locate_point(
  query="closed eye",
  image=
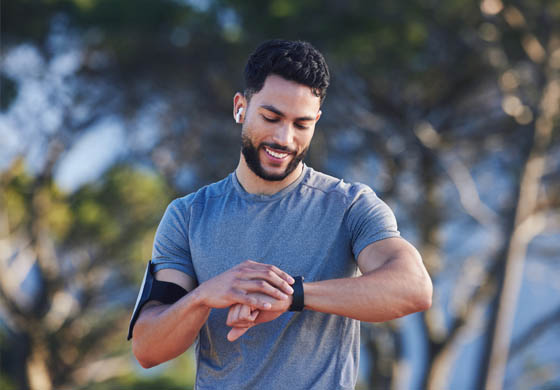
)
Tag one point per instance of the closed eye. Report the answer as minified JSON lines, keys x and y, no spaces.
{"x":271,"y":120}
{"x":275,"y":120}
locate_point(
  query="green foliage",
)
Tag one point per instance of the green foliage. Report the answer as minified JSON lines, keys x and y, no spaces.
{"x":124,"y":208}
{"x":21,"y":194}
{"x":177,"y":374}
{"x":6,"y":383}
{"x":103,"y":233}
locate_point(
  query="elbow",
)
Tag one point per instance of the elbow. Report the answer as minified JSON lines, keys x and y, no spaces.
{"x":423,"y":295}
{"x":423,"y":287}
{"x":424,"y":303}
{"x":149,"y":351}
{"x":146,"y":364}
{"x":141,"y":350}
{"x":141,"y":356}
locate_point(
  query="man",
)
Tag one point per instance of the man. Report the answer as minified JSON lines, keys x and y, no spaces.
{"x":238,"y":246}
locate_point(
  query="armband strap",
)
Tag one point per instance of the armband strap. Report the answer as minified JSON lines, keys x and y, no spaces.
{"x":298,"y":301}
{"x":154,"y":290}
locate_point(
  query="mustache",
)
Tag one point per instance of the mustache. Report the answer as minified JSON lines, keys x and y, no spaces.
{"x":278,"y":147}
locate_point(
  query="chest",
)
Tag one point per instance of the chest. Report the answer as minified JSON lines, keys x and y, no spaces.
{"x":301,"y":239}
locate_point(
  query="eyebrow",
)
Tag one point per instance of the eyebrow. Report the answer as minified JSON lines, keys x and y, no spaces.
{"x":280,"y":113}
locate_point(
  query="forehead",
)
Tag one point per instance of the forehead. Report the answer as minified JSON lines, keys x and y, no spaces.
{"x":287,"y":96}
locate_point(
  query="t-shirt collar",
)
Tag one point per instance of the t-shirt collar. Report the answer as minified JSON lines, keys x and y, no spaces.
{"x":266,"y":198}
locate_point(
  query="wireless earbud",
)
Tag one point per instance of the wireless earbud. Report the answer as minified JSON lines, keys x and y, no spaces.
{"x":238,"y":115}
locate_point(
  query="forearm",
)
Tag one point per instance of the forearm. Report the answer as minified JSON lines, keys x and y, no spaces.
{"x":398,"y":288}
{"x":163,"y":332}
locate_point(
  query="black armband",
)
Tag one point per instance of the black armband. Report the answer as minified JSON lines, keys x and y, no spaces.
{"x":298,"y":301}
{"x":154,"y":290}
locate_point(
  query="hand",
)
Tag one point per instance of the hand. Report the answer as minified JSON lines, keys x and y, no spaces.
{"x":260,"y":286}
{"x":240,"y":318}
{"x":243,"y":317}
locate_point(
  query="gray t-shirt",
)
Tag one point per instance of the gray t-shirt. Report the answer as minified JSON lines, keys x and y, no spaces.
{"x":315,"y":227}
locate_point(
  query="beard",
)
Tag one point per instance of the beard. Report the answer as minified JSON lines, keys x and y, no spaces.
{"x":251,"y":154}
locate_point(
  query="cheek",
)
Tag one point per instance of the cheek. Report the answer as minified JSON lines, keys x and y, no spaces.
{"x":255,"y":130}
{"x":305,"y":139}
{"x":248,"y":132}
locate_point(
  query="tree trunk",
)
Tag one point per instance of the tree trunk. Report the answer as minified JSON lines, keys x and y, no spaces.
{"x":528,"y":223}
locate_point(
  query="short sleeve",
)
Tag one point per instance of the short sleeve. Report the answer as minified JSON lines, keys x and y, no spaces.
{"x":171,"y":243}
{"x":369,"y":219}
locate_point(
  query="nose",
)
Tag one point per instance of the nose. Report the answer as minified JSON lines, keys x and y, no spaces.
{"x":284,"y":135}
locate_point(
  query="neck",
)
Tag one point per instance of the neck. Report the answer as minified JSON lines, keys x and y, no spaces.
{"x":254,"y":184}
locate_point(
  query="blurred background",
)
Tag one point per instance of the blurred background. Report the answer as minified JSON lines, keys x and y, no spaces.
{"x":449,"y":110}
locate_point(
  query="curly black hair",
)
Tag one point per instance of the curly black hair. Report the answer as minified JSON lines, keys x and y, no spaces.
{"x":293,"y":60}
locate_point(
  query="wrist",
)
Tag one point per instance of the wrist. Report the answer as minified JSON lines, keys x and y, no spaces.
{"x":199,"y":298}
{"x":290,"y":302}
{"x":297,"y":298}
{"x":309,"y":291}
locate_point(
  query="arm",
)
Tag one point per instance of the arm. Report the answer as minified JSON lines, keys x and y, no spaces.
{"x":394,"y":283}
{"x":163,"y":332}
{"x":181,"y":320}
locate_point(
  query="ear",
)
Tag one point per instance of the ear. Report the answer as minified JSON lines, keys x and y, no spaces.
{"x":318,"y":116}
{"x":239,"y":101}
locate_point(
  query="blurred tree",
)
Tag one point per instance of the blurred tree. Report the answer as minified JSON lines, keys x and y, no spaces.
{"x":66,"y":263}
{"x":448,"y":109}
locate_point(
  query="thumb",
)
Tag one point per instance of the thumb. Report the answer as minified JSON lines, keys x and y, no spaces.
{"x":236,"y":333}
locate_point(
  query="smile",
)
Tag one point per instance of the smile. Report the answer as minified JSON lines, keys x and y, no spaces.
{"x":275,"y":154}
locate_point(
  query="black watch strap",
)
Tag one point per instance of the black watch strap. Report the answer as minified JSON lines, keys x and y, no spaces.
{"x":298,"y":302}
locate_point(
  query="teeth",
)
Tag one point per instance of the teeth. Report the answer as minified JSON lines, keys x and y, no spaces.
{"x":276,"y":155}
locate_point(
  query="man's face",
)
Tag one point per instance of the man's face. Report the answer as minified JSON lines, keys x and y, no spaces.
{"x":278,"y":127}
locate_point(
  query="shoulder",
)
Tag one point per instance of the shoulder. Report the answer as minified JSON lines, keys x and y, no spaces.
{"x":216,"y":190}
{"x":333,"y":186}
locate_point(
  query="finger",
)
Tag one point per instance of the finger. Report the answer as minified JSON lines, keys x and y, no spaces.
{"x":240,"y":316}
{"x":241,"y":324}
{"x":262,"y":286}
{"x":230,"y":316}
{"x":275,"y":280}
{"x":245,"y":313}
{"x":233,"y":314}
{"x":275,"y":276}
{"x":236,"y":333}
{"x":252,"y":301}
{"x":269,"y":272}
{"x":285,"y":276}
{"x":254,"y":315}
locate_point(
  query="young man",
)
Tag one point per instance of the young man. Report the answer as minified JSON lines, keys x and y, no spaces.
{"x":238,"y":247}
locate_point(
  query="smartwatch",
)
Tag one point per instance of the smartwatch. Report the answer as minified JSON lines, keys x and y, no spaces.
{"x":297,"y":303}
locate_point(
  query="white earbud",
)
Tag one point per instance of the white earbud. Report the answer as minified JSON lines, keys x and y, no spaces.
{"x":238,"y":115}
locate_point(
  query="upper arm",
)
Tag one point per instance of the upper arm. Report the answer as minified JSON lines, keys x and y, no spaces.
{"x":175,"y":276}
{"x":399,"y":265}
{"x":171,"y":247}
{"x":146,"y":310}
{"x":376,"y":254}
{"x":369,"y":220}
